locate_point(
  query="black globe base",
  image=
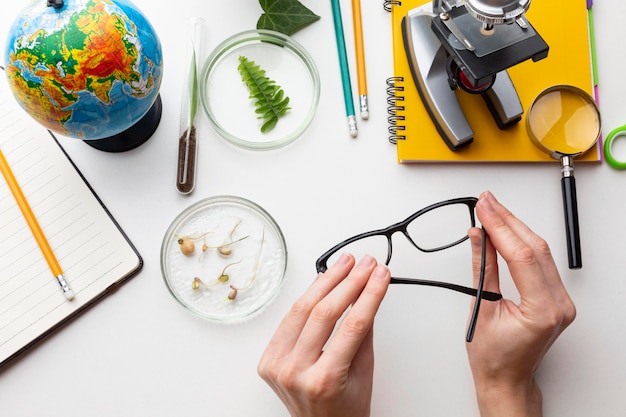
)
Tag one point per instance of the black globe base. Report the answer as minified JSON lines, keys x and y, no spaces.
{"x":135,"y":135}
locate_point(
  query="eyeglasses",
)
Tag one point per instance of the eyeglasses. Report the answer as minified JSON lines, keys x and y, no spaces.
{"x":434,"y":228}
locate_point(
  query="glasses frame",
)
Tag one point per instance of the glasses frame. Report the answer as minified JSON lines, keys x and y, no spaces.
{"x":388,"y":232}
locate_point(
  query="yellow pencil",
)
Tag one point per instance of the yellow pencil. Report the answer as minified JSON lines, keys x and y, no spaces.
{"x":360,"y":58}
{"x":27,"y":212}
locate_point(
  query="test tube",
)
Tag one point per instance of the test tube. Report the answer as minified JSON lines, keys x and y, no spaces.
{"x":188,"y":133}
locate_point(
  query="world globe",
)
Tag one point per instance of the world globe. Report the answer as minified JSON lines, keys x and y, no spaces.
{"x":88,"y":69}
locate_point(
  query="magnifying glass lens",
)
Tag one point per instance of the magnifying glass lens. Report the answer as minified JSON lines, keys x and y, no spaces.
{"x":564,"y":120}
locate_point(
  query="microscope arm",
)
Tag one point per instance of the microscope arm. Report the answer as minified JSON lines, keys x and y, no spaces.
{"x":427,"y":59}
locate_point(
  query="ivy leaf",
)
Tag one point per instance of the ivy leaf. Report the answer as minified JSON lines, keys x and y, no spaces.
{"x":285,"y":16}
{"x":269,"y":98}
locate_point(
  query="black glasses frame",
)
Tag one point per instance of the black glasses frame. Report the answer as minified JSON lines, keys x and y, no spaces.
{"x":388,"y":232}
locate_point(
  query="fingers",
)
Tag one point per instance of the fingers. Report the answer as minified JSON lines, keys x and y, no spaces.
{"x":302,"y":334}
{"x":541,"y":251}
{"x":528,"y":256}
{"x":328,"y":311}
{"x":353,"y":339}
{"x":291,"y":326}
{"x":336,"y":380}
{"x":503,"y":229}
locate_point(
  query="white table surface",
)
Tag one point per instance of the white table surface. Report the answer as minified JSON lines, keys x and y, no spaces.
{"x":139,"y":353}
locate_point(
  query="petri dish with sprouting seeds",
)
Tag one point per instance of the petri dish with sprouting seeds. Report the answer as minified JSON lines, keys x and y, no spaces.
{"x":224,"y":258}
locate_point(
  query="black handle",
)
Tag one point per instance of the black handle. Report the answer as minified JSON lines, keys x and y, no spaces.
{"x":570,"y":208}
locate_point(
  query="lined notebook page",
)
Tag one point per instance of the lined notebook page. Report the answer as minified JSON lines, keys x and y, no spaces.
{"x":92,"y":251}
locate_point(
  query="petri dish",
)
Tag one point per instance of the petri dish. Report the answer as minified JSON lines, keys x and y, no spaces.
{"x":236,"y":245}
{"x":225,"y":97}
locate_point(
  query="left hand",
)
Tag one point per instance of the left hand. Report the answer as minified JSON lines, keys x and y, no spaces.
{"x":314,"y":374}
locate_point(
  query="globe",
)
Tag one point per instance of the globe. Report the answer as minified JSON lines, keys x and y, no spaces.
{"x":88,"y":69}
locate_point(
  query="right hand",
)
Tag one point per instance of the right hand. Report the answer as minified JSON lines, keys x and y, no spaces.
{"x":511,"y":339}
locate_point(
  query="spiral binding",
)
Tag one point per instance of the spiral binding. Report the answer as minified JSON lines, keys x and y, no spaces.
{"x":395,"y":105}
{"x":388,"y":3}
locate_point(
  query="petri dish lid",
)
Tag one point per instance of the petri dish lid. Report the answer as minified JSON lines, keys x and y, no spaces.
{"x":225,"y":97}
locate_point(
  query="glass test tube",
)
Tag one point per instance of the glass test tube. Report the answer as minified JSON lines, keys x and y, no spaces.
{"x":188,"y":134}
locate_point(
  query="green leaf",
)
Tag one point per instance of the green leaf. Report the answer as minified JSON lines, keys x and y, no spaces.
{"x":269,"y":125}
{"x":193,"y":89}
{"x":285,"y":16}
{"x":269,"y":98}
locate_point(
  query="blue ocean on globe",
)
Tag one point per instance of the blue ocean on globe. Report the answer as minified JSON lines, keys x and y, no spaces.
{"x":90,"y":69}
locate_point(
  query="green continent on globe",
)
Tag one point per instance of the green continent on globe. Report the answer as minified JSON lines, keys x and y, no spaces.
{"x":57,"y":70}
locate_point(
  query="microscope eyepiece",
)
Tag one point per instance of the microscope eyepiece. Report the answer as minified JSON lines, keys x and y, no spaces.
{"x":497,"y":12}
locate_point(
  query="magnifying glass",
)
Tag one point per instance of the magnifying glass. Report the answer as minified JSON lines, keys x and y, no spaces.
{"x":564,"y":122}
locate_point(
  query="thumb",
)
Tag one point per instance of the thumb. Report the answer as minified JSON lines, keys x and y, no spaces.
{"x":492,"y":282}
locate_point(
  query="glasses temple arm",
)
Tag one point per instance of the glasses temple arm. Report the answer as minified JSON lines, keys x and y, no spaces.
{"x":486,"y":295}
{"x":479,"y":290}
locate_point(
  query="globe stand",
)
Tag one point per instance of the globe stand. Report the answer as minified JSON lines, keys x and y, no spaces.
{"x":135,"y":135}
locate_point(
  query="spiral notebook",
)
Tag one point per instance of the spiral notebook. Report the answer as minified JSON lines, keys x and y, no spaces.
{"x":93,"y":251}
{"x":570,"y":61}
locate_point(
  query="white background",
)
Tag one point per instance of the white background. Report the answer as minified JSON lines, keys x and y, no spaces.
{"x":139,"y":353}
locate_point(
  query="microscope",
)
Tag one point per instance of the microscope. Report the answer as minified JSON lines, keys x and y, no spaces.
{"x":468,"y":45}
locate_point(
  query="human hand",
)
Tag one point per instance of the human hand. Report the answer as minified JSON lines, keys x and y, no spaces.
{"x":512,"y":339}
{"x":314,"y":374}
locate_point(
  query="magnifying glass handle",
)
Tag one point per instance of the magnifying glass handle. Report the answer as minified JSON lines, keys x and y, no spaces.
{"x":570,"y":208}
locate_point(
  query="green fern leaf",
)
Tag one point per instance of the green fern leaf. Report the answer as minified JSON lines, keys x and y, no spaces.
{"x":269,"y":98}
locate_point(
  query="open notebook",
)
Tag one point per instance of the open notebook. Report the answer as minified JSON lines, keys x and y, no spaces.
{"x":93,"y":251}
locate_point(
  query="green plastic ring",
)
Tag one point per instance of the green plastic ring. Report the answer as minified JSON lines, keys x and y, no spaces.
{"x":615,"y":133}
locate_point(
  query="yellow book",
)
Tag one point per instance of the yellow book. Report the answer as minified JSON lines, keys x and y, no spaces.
{"x":568,"y":33}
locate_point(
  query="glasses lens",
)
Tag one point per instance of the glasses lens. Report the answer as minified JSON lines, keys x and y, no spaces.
{"x":375,"y":246}
{"x":440,"y":227}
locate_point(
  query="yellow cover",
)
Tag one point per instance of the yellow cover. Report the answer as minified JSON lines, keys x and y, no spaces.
{"x":566,"y":30}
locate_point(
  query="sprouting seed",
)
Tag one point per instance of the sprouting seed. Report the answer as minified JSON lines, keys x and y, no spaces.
{"x":197,"y":283}
{"x":222,"y":249}
{"x":235,"y":290}
{"x":226,"y":249}
{"x":187,"y":245}
{"x":223,"y":278}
